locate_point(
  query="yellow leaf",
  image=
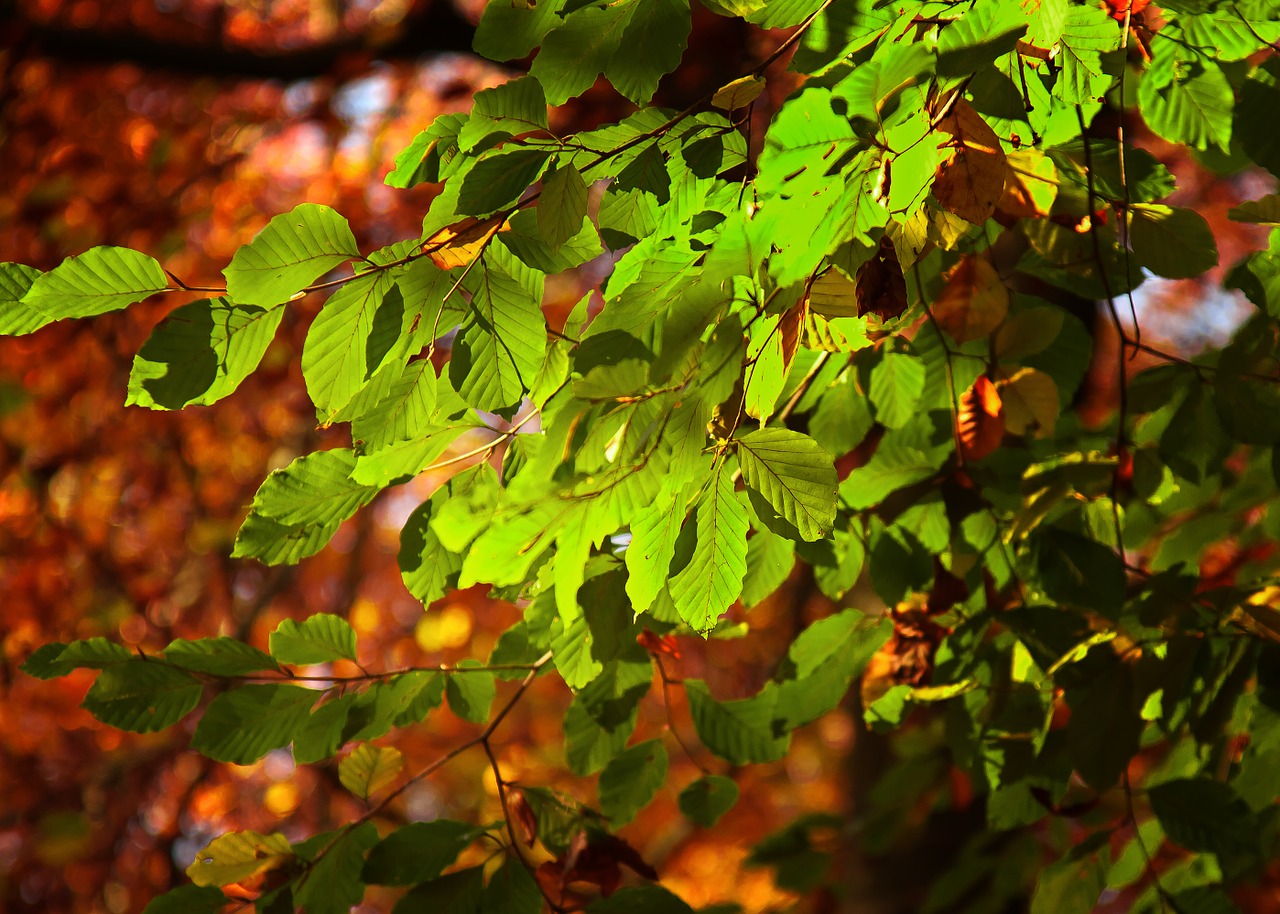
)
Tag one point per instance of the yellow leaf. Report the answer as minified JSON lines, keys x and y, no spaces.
{"x":1031,"y":404}
{"x":459,"y":244}
{"x":239,"y":856}
{"x":369,"y":769}
{"x":974,"y":302}
{"x":971,"y":181}
{"x":738,"y":94}
{"x":833,"y":295}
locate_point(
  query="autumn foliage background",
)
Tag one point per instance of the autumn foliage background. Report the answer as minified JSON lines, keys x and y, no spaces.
{"x":179,"y":127}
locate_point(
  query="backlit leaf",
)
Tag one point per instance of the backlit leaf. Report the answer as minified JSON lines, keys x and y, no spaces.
{"x":101,"y":279}
{"x":794,"y":475}
{"x":369,"y":769}
{"x":293,"y":250}
{"x":238,"y":856}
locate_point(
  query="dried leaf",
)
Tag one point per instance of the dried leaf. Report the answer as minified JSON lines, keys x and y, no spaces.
{"x":789,"y":329}
{"x":880,"y":288}
{"x":974,"y":302}
{"x":459,"y":244}
{"x":522,"y":814}
{"x":971,"y":180}
{"x":981,"y":421}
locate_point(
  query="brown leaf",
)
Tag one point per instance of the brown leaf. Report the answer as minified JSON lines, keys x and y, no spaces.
{"x":880,"y":288}
{"x":971,"y":180}
{"x":981,"y":420}
{"x":459,"y":244}
{"x":522,"y":815}
{"x":907,"y":657}
{"x":974,"y":301}
{"x":790,"y":327}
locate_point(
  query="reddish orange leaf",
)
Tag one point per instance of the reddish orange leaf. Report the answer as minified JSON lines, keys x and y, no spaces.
{"x":981,"y":420}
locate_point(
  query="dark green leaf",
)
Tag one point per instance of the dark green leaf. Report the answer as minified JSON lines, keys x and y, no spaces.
{"x":142,"y":696}
{"x":243,"y":725}
{"x":708,"y":798}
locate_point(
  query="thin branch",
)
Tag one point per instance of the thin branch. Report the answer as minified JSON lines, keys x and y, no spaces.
{"x":667,"y":682}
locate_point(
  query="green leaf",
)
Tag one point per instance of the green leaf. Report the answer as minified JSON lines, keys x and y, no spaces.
{"x":101,"y":279}
{"x":243,"y":725}
{"x":497,"y":356}
{"x":511,"y":890}
{"x":739,"y":732}
{"x":1258,"y":276}
{"x":1258,"y":99}
{"x":459,"y":892}
{"x":632,"y":42}
{"x":340,"y":354}
{"x":778,"y":14}
{"x":561,"y":206}
{"x":200,"y":353}
{"x":1206,"y":816}
{"x":631,"y":780}
{"x":1265,"y":211}
{"x":52,"y":660}
{"x":770,"y":559}
{"x":188,"y":899}
{"x":712,"y":580}
{"x":218,"y":656}
{"x":317,"y":639}
{"x":794,"y":475}
{"x":708,"y":798}
{"x":297,"y":509}
{"x":17,"y":318}
{"x":1184,"y":96}
{"x":1105,"y":728}
{"x":369,"y":769}
{"x":471,"y":694}
{"x":292,"y":251}
{"x":1171,"y":241}
{"x":642,"y":899}
{"x":333,"y":884}
{"x":897,"y":382}
{"x":142,"y":696}
{"x":1088,"y":33}
{"x":417,"y":852}
{"x":514,"y":108}
{"x":238,"y":856}
{"x":1080,"y":571}
{"x":1074,"y":884}
{"x":508,"y":31}
{"x":500,"y":178}
{"x":989,"y":30}
{"x":426,"y":566}
{"x":653,"y":543}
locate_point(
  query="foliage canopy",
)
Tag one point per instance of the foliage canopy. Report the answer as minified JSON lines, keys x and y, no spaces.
{"x":852,"y":350}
